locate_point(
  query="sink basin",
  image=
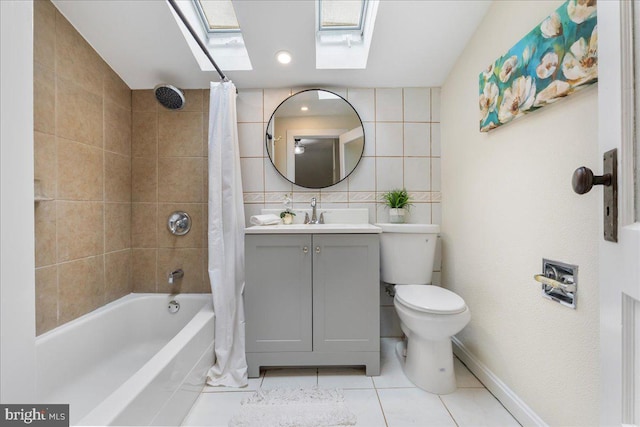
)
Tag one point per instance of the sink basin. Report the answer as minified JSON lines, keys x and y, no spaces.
{"x":314,"y":229}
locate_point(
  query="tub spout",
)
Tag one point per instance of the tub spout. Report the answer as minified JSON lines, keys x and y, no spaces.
{"x":176,"y":274}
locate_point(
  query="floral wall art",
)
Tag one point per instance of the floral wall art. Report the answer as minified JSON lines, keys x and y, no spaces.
{"x":555,"y":59}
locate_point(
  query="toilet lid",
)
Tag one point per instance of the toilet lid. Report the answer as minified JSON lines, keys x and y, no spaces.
{"x":430,"y":299}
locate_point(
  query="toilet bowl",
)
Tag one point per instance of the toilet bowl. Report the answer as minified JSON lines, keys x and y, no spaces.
{"x":429,"y":315}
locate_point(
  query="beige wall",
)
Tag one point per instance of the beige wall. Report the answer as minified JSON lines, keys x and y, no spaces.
{"x":82,"y":123}
{"x":507,"y":203}
{"x":169,"y":164}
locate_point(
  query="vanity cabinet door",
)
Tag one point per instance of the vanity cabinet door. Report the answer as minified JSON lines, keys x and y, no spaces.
{"x":346,"y":296}
{"x":277,"y":294}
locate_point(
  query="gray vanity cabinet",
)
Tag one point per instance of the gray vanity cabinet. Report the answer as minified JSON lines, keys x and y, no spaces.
{"x":277,"y":293}
{"x":312,"y":300}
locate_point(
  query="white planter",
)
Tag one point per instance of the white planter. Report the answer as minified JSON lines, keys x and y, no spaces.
{"x":396,"y":215}
{"x":287,"y":219}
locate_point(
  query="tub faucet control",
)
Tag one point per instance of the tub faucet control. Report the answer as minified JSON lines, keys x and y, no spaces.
{"x":176,"y":274}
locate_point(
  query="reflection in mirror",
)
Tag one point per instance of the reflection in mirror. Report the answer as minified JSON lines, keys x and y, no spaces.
{"x":315,"y":138}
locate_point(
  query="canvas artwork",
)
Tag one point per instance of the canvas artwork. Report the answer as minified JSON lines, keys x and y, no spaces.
{"x":555,"y":59}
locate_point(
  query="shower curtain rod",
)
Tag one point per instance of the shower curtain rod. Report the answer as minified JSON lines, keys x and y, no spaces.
{"x":197,"y":39}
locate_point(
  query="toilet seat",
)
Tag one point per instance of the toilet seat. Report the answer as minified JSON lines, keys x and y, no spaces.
{"x":430,"y":299}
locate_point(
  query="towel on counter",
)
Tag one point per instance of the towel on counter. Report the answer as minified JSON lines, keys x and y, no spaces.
{"x":269,"y":219}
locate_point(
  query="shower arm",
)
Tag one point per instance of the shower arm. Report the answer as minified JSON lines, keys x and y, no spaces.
{"x":197,"y":39}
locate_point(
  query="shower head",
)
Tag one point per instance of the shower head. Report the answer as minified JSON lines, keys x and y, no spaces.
{"x":169,"y":96}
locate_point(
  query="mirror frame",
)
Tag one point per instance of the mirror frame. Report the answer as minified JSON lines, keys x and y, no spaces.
{"x":267,"y":139}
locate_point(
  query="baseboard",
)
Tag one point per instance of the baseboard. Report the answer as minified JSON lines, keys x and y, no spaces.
{"x":520,"y":410}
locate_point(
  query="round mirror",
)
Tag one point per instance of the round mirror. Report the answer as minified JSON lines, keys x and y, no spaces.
{"x":315,"y":138}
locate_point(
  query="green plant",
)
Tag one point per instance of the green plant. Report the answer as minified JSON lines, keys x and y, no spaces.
{"x":397,"y":199}
{"x":285,"y":212}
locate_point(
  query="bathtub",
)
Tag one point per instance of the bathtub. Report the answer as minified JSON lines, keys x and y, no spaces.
{"x":130,"y":362}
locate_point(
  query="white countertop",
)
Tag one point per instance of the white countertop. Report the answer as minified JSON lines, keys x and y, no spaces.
{"x":314,"y":229}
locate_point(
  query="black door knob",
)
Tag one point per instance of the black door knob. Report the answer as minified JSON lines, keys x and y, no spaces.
{"x":584,"y":179}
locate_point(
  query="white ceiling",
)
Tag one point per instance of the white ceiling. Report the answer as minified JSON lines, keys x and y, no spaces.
{"x":415,"y":43}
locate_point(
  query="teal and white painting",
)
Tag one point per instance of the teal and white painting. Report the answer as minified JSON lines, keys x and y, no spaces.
{"x":555,"y":59}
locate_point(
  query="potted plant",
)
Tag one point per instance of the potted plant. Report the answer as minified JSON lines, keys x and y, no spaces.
{"x":398,"y":202}
{"x":287,"y":216}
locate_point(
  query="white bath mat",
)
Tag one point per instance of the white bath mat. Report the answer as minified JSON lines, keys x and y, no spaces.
{"x":301,"y":407}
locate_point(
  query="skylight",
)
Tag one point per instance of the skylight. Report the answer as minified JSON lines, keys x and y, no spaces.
{"x":218,"y":15}
{"x":217,"y":27}
{"x":343,"y":33}
{"x":341,"y":14}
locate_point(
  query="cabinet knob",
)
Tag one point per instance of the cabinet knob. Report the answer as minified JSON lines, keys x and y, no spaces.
{"x":317,"y":249}
{"x":305,"y":250}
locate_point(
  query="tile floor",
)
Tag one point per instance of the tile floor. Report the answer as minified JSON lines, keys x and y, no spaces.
{"x":388,"y":400}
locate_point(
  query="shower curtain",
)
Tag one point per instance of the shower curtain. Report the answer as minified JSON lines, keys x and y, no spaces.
{"x":226,"y":239}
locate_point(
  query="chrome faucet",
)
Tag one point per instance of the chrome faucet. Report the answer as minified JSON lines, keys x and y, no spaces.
{"x":177,"y":274}
{"x":314,"y":214}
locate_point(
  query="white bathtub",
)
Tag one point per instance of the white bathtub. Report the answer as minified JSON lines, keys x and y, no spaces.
{"x":130,"y":362}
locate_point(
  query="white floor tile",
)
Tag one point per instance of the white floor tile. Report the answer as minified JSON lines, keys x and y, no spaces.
{"x":391,"y":372}
{"x":395,"y":403}
{"x":464,"y":377}
{"x":344,"y":378}
{"x":215,"y":409}
{"x":406,"y":407}
{"x":253,"y":385}
{"x":477,"y":407}
{"x":366,"y":407}
{"x":290,"y":378}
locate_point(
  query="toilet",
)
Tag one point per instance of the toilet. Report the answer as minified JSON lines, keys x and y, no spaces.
{"x":429,"y":315}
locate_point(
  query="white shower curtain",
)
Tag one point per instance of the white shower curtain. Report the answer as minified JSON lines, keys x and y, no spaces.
{"x":226,"y":238}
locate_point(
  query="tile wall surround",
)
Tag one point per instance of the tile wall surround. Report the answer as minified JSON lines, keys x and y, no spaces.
{"x":82,"y":155}
{"x":169,"y":173}
{"x":402,"y":149}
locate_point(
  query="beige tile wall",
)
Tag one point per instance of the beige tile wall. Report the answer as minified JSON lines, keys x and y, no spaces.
{"x":82,"y":124}
{"x":168,"y":165}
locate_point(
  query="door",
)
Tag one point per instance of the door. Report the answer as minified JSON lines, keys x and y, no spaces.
{"x":346,"y":295}
{"x":277,"y":294}
{"x":620,"y":262}
{"x":351,"y":146}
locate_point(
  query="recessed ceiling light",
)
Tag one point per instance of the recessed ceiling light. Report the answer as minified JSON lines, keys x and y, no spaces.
{"x":283,"y":57}
{"x":304,"y":108}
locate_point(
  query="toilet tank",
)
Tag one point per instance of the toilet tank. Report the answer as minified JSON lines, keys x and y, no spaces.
{"x":407,"y":252}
